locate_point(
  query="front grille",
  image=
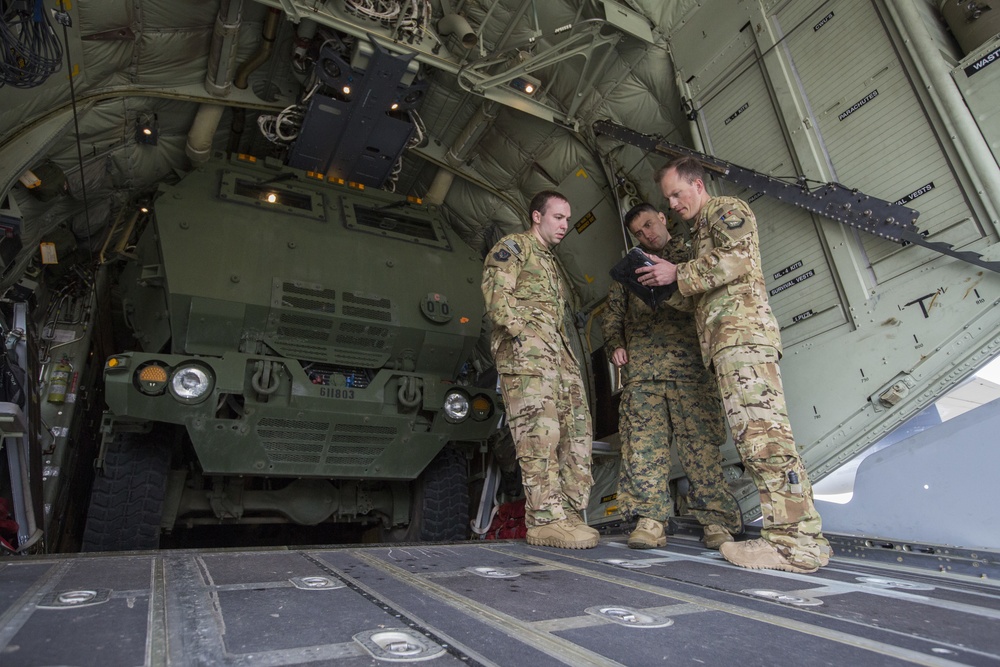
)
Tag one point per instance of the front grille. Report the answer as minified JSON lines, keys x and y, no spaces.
{"x":318,"y":292}
{"x":294,"y":424}
{"x":306,"y":297}
{"x":357,"y":341}
{"x":299,"y":436}
{"x":364,"y":329}
{"x":360,"y":433}
{"x":303,"y":324}
{"x":367,"y":314}
{"x":287,"y":452}
{"x":372,"y":359}
{"x":302,"y":350}
{"x":367,"y":307}
{"x":374,"y":302}
{"x":304,"y":321}
{"x":288,"y":441}
{"x":308,"y":334}
{"x":307,"y":304}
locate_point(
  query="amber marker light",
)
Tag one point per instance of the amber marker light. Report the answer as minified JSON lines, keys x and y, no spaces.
{"x":116,"y":364}
{"x":153,"y":374}
{"x":482,"y":407}
{"x":151,"y":379}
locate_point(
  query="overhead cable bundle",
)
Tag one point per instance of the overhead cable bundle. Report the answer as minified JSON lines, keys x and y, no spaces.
{"x":29,"y":50}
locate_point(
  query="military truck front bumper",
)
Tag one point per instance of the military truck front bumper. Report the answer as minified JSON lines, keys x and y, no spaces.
{"x":244,"y":421}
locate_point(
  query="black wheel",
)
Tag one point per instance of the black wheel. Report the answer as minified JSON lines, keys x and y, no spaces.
{"x":441,"y":501}
{"x":126,"y":502}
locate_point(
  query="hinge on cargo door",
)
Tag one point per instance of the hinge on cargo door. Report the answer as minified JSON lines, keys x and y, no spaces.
{"x":890,"y":395}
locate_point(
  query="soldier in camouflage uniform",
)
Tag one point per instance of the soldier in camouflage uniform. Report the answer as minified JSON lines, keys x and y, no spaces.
{"x":540,"y":377}
{"x":740,"y":340}
{"x":668,"y":393}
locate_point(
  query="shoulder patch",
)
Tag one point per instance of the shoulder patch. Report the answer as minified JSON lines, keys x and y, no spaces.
{"x":514,"y":248}
{"x":501,"y":255}
{"x":732,"y":219}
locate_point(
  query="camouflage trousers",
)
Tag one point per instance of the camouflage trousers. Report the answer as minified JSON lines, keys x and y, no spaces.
{"x":754,"y":401}
{"x":652,"y":413}
{"x":553,"y":436}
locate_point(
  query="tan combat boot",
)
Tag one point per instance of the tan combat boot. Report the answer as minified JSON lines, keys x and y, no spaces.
{"x":715,"y":536}
{"x":825,"y":554}
{"x":563,"y":534}
{"x":760,"y":554}
{"x":648,"y":534}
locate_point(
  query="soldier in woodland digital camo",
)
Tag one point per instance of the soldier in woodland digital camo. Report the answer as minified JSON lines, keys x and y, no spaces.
{"x":668,"y":395}
{"x":540,"y":376}
{"x":739,"y":339}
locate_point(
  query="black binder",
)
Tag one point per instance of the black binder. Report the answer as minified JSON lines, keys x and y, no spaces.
{"x":624,"y":272}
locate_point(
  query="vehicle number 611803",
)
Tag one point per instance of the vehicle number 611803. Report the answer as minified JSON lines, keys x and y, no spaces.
{"x":336,"y":392}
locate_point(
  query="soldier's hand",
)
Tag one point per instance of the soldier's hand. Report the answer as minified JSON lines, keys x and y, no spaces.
{"x":661,"y":273}
{"x":619,"y":357}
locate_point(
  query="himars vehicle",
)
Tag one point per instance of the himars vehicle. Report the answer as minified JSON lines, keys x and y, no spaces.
{"x":304,"y":352}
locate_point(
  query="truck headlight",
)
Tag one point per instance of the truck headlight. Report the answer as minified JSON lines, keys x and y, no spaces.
{"x":456,"y":405}
{"x":191,"y":383}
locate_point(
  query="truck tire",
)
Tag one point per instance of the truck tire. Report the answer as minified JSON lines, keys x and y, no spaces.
{"x":441,"y":505}
{"x":126,"y":502}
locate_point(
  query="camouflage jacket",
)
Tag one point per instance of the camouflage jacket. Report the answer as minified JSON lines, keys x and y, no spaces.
{"x":731,"y":306}
{"x":525,"y":303}
{"x":662,"y":344}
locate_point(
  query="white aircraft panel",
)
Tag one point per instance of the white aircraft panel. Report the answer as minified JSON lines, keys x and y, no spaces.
{"x":741,"y":125}
{"x":874,"y":128}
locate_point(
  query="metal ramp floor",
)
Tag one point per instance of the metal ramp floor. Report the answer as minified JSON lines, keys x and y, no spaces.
{"x":496,"y":603}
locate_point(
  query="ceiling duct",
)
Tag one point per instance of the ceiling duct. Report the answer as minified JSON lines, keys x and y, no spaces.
{"x":221,"y":59}
{"x":222,"y":53}
{"x":461,"y":150}
{"x":268,"y":34}
{"x":455,"y":24}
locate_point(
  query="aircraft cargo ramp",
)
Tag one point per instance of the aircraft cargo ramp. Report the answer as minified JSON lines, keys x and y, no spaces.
{"x":500,"y":603}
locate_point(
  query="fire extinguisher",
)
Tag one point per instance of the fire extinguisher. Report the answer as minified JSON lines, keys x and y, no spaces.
{"x":59,"y":381}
